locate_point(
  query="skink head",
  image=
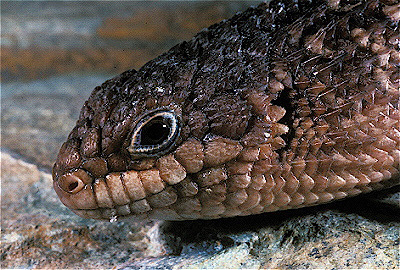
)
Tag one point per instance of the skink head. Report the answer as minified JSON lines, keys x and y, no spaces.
{"x":298,"y":112}
{"x":141,"y":149}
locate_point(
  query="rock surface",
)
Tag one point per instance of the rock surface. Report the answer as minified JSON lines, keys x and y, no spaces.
{"x":38,"y":232}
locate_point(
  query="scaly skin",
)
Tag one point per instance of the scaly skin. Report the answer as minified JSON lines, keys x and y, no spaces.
{"x":282,"y":106}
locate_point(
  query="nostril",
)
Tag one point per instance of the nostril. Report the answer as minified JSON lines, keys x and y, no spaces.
{"x":74,"y":182}
{"x":70,"y":183}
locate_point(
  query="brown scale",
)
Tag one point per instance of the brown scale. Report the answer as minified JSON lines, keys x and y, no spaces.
{"x":304,"y":112}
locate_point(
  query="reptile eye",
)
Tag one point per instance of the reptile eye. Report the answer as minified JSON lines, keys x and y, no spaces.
{"x":154,"y":134}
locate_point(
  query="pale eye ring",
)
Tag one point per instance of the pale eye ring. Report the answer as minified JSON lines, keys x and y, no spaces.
{"x":155,"y":134}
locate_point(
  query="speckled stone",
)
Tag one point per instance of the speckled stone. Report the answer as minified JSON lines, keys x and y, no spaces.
{"x":39,"y":232}
{"x":314,"y":238}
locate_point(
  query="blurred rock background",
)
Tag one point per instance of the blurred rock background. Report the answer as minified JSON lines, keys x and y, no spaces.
{"x":46,"y":38}
{"x":53,"y":53}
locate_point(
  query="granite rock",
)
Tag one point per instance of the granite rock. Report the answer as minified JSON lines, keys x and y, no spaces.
{"x":39,"y":232}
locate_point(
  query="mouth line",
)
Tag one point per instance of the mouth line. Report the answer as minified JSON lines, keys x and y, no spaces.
{"x":118,"y":194}
{"x":91,"y":186}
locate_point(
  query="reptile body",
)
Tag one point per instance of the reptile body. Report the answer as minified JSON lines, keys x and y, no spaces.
{"x":286,"y":105}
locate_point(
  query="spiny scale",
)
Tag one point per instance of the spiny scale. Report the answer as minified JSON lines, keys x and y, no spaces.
{"x":285,"y":105}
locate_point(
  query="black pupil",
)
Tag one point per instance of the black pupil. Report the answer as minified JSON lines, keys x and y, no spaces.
{"x":155,"y":132}
{"x":72,"y":186}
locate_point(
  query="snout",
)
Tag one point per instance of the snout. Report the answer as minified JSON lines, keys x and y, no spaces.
{"x":75,"y":190}
{"x":133,"y":194}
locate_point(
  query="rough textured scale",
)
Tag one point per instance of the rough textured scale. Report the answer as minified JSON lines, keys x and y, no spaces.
{"x":286,"y":105}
